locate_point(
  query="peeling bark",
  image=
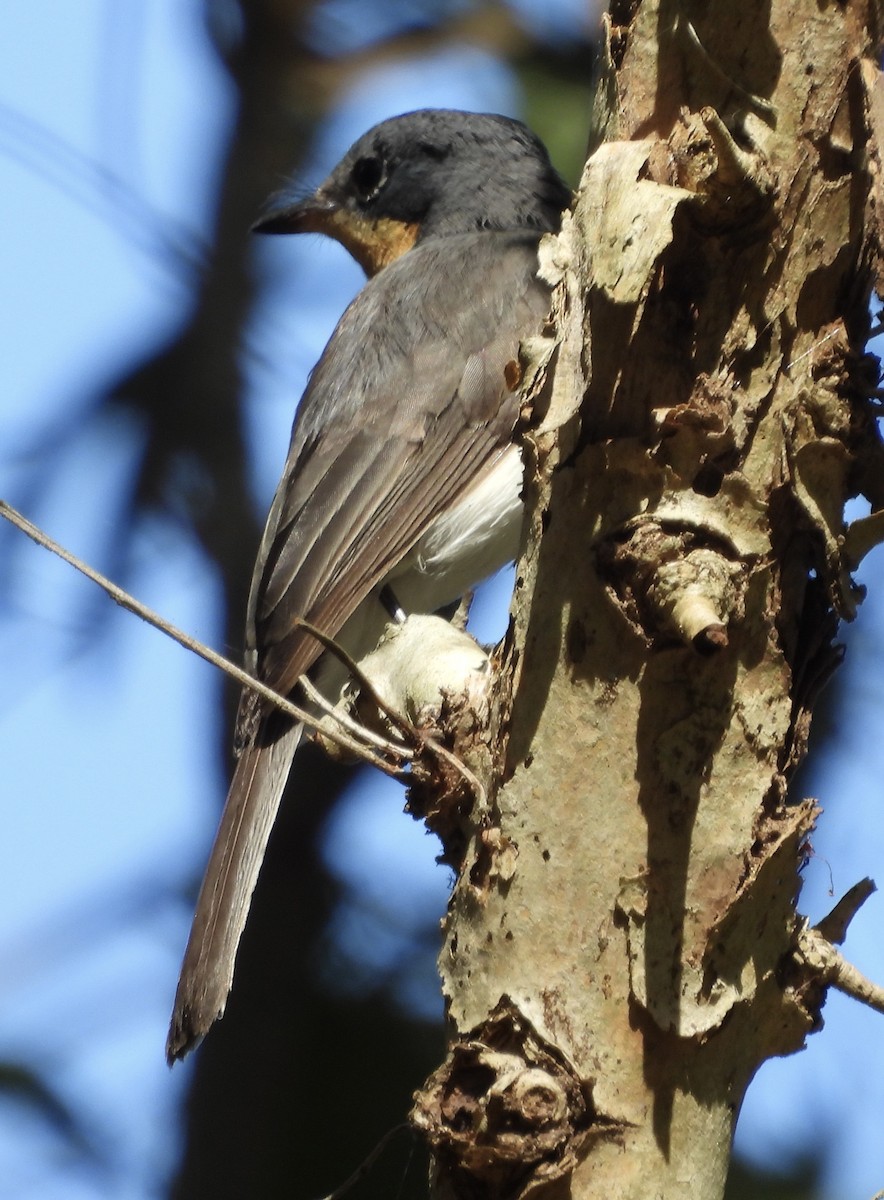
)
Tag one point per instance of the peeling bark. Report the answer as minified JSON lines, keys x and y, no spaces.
{"x":622,"y":949}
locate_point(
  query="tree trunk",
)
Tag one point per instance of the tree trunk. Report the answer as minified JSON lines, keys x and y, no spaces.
{"x":622,"y":949}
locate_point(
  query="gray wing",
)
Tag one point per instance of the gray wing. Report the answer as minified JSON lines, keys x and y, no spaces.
{"x":408,"y":406}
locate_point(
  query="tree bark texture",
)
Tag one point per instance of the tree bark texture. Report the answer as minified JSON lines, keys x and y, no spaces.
{"x":623,"y":948}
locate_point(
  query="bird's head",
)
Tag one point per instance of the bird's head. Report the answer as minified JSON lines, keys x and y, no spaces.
{"x":429,"y":173}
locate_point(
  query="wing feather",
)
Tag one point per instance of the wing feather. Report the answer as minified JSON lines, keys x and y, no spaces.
{"x":422,"y":408}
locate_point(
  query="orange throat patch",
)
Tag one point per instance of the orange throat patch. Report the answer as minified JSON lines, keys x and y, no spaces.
{"x":374,"y":244}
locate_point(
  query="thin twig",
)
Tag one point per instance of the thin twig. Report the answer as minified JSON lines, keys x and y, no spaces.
{"x":243,"y":678}
{"x":404,"y":726}
{"x":833,"y":927}
{"x":400,"y":754}
{"x":365,"y":685}
{"x":451,"y":758}
{"x":827,"y":337}
{"x":821,"y":959}
{"x":758,"y":102}
{"x":337,"y":713}
{"x":367,"y":1163}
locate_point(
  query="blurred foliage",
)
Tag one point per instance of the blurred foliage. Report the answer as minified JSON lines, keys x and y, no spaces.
{"x":746,"y":1182}
{"x":22,"y":1084}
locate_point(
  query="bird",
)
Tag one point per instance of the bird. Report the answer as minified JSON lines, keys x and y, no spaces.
{"x":403,"y":478}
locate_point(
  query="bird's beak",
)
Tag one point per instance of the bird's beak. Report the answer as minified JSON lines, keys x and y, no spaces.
{"x":314,"y":215}
{"x":373,"y":242}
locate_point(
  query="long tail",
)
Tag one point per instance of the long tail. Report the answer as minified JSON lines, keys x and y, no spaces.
{"x":223,"y":903}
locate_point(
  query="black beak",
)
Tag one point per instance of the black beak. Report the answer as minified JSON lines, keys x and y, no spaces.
{"x":312,"y":215}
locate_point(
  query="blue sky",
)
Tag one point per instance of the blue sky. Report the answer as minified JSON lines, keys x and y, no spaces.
{"x":110,"y":785}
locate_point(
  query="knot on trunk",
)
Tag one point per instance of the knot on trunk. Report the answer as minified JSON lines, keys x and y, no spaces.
{"x":675,"y":584}
{"x":505,"y":1110}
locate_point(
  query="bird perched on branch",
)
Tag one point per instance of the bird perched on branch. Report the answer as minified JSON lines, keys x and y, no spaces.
{"x":402,"y":472}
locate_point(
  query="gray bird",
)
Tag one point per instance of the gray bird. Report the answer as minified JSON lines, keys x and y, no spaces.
{"x":402,"y":471}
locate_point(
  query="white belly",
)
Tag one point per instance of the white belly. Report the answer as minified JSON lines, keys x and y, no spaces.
{"x":463,"y":546}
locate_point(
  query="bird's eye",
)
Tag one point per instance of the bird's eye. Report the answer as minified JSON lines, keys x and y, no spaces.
{"x":368,"y":176}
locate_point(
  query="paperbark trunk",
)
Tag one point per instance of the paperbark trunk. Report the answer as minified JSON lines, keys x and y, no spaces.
{"x":623,"y":948}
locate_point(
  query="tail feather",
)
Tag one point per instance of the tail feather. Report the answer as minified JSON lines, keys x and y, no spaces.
{"x":223,"y":903}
